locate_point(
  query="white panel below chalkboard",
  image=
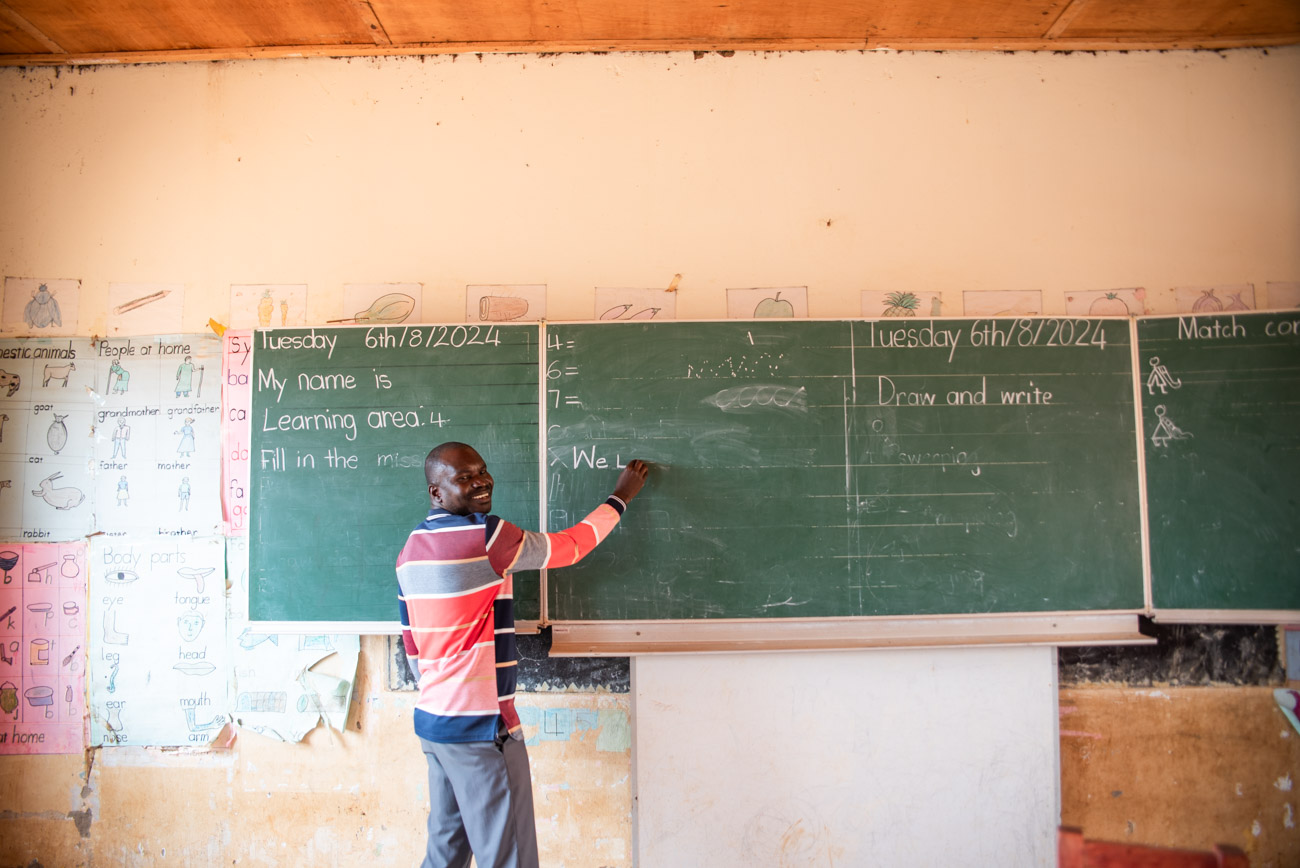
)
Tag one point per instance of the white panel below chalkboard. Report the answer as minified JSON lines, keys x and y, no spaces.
{"x":882,"y":758}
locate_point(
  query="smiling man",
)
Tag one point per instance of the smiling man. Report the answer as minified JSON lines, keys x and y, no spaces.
{"x":456,"y":598}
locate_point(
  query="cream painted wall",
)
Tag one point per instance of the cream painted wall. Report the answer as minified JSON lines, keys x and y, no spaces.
{"x":839,"y":171}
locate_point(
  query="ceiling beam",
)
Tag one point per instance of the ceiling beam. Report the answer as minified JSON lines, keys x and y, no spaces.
{"x":1186,"y":43}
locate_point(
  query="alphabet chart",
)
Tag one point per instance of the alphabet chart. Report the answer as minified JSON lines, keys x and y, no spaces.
{"x":236,"y":399}
{"x":42,"y":648}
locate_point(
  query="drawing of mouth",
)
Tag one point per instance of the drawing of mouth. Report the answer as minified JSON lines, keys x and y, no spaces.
{"x":196,"y":667}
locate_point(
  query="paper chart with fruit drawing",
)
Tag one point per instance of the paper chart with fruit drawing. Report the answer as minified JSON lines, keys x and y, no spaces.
{"x":780,"y":302}
{"x":157,"y":628}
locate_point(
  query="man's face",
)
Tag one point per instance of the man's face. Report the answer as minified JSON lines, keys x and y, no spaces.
{"x":462,"y":484}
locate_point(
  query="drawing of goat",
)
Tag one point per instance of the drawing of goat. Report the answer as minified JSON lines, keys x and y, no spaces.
{"x":58,"y":372}
{"x":59,"y":498}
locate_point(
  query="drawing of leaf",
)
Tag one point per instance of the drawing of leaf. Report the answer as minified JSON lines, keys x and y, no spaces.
{"x":616,"y":311}
{"x":391,"y":308}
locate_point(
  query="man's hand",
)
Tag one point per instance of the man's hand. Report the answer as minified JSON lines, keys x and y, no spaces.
{"x":631,"y":480}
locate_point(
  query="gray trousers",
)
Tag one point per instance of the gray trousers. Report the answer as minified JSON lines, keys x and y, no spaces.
{"x":480,"y":800}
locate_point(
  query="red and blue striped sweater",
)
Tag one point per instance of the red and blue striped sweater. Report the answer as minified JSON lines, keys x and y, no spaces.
{"x":456,"y":599}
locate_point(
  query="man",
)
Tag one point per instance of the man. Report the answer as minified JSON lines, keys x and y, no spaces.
{"x":456,"y":599}
{"x":121,"y":434}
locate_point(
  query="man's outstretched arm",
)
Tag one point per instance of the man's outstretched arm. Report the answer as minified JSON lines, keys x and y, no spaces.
{"x":512,"y":548}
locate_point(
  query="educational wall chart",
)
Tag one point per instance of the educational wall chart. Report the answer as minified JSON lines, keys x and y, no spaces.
{"x":1107,"y":302}
{"x":779,"y":302}
{"x":42,"y":648}
{"x":157,"y":641}
{"x":381,"y":303}
{"x":284,"y":685}
{"x":236,"y":400}
{"x":265,"y":305}
{"x":145,"y":308}
{"x":117,"y":435}
{"x":46,"y":450}
{"x":1231,"y":298}
{"x":157,"y":426}
{"x":629,"y":304}
{"x":34,"y":306}
{"x":899,"y":304}
{"x":505,"y":303}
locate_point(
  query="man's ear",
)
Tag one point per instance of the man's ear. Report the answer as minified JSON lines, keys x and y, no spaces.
{"x":433,"y":493}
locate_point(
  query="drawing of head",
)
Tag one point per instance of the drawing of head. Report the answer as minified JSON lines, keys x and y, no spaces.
{"x":190,"y":625}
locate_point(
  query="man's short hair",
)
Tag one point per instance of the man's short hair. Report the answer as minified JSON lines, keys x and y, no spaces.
{"x":434,"y":458}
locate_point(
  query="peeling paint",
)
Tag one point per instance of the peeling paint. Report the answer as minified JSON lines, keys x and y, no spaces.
{"x":615,"y":731}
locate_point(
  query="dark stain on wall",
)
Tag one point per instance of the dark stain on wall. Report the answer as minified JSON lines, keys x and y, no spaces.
{"x":1185,"y":655}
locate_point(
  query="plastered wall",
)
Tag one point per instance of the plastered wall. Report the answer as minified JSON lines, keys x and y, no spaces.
{"x":841,"y":172}
{"x":836,"y":171}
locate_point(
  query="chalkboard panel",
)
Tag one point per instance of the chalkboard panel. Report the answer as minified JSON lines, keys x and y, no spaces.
{"x":341,"y":421}
{"x":1221,"y":420}
{"x":818,"y":469}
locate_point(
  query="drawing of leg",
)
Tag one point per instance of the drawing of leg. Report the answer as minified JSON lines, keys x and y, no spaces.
{"x":112,"y":636}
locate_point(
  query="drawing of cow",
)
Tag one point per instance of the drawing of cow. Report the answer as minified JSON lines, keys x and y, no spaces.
{"x":59,"y":498}
{"x":58,"y":372}
{"x":9,"y":381}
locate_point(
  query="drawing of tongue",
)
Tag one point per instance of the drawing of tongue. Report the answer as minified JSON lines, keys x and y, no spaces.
{"x":196,"y":574}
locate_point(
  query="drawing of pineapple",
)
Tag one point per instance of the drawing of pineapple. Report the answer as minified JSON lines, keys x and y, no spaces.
{"x":901,"y":304}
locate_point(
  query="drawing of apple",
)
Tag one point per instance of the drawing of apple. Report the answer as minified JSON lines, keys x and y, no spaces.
{"x":774,"y":307}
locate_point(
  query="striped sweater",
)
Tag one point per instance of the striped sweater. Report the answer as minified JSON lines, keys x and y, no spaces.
{"x":456,"y":600}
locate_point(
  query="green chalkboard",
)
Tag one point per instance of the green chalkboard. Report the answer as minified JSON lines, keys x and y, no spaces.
{"x":813,"y":469}
{"x":341,"y":421}
{"x":1221,"y":425}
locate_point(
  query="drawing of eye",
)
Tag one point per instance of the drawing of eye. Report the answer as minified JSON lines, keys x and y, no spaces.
{"x":120,"y":577}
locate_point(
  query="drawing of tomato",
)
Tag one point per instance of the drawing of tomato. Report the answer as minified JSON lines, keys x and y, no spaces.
{"x":1108,"y":305}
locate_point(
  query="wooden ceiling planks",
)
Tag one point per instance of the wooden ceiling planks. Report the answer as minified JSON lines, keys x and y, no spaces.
{"x":92,"y":31}
{"x":1182,"y":19}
